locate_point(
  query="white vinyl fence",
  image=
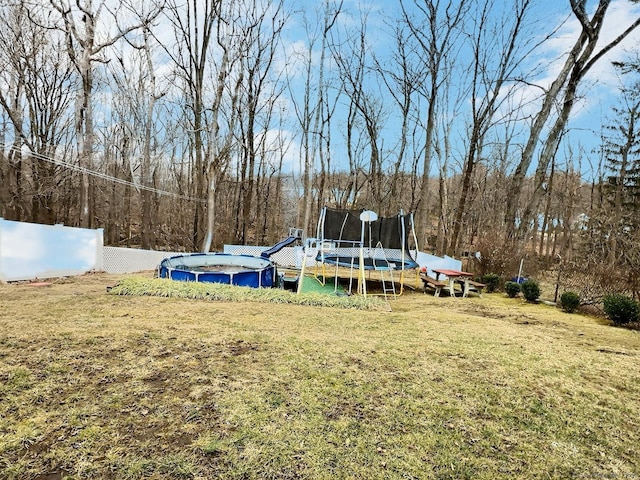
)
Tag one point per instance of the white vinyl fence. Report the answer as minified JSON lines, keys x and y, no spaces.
{"x":131,"y":260}
{"x":287,"y":257}
{"x":29,"y":251}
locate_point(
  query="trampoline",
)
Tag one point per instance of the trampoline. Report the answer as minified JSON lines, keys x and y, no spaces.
{"x":360,"y":241}
{"x":240,"y":270}
{"x":384,"y":241}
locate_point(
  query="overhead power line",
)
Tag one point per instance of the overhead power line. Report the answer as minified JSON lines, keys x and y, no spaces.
{"x":97,"y":174}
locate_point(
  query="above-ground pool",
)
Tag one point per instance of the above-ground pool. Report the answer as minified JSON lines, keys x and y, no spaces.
{"x":242,"y":270}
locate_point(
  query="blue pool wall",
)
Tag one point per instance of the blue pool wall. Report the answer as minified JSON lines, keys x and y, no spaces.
{"x":240,"y":270}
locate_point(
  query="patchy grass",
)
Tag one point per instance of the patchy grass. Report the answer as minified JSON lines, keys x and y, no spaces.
{"x":130,"y":387}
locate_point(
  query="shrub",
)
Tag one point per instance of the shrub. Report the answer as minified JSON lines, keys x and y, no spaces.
{"x":621,"y":309}
{"x":530,"y":290}
{"x":512,"y":289}
{"x":491,"y":280}
{"x":570,"y":301}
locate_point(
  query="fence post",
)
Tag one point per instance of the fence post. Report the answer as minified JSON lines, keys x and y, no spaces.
{"x":99,"y":267}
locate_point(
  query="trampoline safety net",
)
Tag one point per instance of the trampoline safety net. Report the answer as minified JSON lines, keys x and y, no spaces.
{"x":344,"y":227}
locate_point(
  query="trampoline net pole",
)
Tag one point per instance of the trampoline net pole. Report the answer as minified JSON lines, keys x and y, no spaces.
{"x":362,"y":282}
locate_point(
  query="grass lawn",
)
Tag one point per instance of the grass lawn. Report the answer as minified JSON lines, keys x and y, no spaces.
{"x":101,"y":386}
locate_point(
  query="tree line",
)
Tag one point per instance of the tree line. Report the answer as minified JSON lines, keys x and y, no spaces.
{"x":187,"y":125}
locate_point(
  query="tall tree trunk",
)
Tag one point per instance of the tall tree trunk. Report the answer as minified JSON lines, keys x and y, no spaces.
{"x":147,"y":224}
{"x":82,"y":37}
{"x":461,"y":209}
{"x":547,"y":208}
{"x":579,"y":61}
{"x":84,"y":128}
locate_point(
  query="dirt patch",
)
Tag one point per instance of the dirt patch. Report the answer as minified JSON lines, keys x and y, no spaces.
{"x":491,"y":313}
{"x":51,"y":476}
{"x":616,"y":352}
{"x":240,"y":347}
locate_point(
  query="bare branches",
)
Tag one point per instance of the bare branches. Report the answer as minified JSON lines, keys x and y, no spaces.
{"x":611,"y":45}
{"x":579,"y":61}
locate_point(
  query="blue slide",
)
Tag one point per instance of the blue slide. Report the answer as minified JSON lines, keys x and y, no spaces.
{"x":278,"y":246}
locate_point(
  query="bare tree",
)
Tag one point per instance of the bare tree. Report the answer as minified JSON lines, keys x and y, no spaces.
{"x":39,"y":77}
{"x":135,"y":101}
{"x":260,"y":40}
{"x":402,"y":78}
{"x":193,"y":28}
{"x":86,"y":42}
{"x":501,"y":41}
{"x":208,"y":44}
{"x":366,"y":105}
{"x":436,"y":30}
{"x":310,"y":109}
{"x":581,"y":58}
{"x":442,"y":154}
{"x":146,"y":171}
{"x":621,"y":147}
{"x":230,"y":37}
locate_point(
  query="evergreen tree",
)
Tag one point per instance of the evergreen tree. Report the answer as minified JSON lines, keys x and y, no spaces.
{"x":614,"y":233}
{"x":621,"y":188}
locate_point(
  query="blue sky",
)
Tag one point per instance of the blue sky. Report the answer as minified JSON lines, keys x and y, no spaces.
{"x":598,"y":91}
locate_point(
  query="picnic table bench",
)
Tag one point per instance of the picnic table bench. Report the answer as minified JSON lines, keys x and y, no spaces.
{"x":475,"y":287}
{"x":430,"y":282}
{"x":454,"y":278}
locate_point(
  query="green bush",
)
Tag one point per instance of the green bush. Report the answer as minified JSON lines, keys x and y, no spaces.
{"x":512,"y":289}
{"x":530,"y":290}
{"x":491,"y":280}
{"x":621,"y":309}
{"x":569,"y":301}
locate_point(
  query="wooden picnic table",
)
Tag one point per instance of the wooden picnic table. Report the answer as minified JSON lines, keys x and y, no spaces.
{"x":453,"y":277}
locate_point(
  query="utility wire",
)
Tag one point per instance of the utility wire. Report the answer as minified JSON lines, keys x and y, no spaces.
{"x":95,"y":173}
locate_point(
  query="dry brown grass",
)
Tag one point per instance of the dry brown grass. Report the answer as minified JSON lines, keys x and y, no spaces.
{"x":101,"y":386}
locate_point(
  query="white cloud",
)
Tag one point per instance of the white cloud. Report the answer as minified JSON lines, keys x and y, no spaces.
{"x":620,"y":15}
{"x":282,"y":144}
{"x":294,"y":58}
